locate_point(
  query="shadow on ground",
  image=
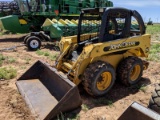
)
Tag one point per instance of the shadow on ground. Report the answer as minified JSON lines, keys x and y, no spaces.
{"x":50,"y":46}
{"x":117,"y":92}
{"x":20,"y":38}
{"x":12,"y":38}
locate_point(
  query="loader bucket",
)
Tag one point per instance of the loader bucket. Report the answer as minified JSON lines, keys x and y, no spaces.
{"x":47,"y":92}
{"x":138,"y":112}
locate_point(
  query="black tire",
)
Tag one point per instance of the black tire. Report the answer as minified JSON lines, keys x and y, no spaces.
{"x":130,"y":70}
{"x":92,"y":79}
{"x":154,"y":102}
{"x":33,"y":43}
{"x":25,"y":39}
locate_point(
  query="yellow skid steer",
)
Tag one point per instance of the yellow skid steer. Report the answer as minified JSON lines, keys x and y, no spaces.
{"x":105,"y":49}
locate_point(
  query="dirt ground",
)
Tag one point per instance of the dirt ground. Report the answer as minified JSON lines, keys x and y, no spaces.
{"x":109,"y":107}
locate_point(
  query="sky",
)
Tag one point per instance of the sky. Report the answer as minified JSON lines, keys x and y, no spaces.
{"x":147,"y":8}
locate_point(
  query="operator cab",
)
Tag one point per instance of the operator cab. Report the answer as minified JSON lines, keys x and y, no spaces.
{"x":108,"y":24}
{"x":97,"y":25}
{"x":119,"y":23}
{"x":30,"y":5}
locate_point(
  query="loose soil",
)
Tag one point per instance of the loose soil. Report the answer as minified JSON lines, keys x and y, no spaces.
{"x":109,"y":107}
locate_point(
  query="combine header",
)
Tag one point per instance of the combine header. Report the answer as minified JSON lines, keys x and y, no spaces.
{"x":64,"y":28}
{"x":33,"y":14}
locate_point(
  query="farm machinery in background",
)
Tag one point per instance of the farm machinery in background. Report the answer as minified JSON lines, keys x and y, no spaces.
{"x":33,"y":13}
{"x":8,"y":8}
{"x":150,"y":22}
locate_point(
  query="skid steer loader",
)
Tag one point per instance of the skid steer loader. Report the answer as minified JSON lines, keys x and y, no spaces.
{"x":100,"y":54}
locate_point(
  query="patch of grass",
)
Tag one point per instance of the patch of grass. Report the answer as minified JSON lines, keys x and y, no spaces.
{"x":61,"y":116}
{"x":74,"y":117}
{"x":46,"y":54}
{"x":7,"y":73}
{"x":2,"y":58}
{"x":7,"y":59}
{"x":100,"y":101}
{"x":1,"y":62}
{"x":143,"y":88}
{"x":139,"y":87}
{"x":40,"y":52}
{"x":27,"y":60}
{"x":110,"y":103}
{"x":52,"y":57}
{"x":103,"y":101}
{"x":154,"y":54}
{"x":4,"y":32}
{"x":153,"y":29}
{"x":153,"y":57}
{"x":11,"y":60}
{"x":155,"y":48}
{"x":85,"y":107}
{"x":64,"y":116}
{"x":23,"y":67}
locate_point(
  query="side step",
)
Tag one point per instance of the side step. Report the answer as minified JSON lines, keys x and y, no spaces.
{"x":47,"y":92}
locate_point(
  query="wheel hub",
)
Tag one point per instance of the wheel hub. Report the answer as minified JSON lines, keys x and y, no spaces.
{"x":135,"y":72}
{"x":104,"y":81}
{"x":34,"y":43}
